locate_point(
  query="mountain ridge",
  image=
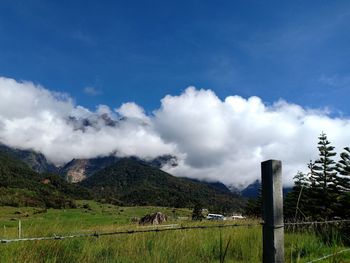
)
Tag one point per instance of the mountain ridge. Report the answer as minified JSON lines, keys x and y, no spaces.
{"x":77,"y":170}
{"x":35,"y":160}
{"x":131,"y":182}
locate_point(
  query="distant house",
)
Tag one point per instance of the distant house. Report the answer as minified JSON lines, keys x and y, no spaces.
{"x":215,"y":217}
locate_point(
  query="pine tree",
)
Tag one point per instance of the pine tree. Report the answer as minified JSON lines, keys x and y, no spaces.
{"x":301,"y":180}
{"x":296,"y":201}
{"x":343,"y":167}
{"x":312,"y":206}
{"x":324,"y":187}
{"x":311,"y":166}
{"x":254,"y":205}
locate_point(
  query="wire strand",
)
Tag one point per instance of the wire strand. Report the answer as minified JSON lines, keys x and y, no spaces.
{"x":128,"y":232}
{"x":330,"y":255}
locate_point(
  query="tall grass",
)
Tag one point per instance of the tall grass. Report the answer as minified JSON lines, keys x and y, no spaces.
{"x":236,"y":244}
{"x":205,"y":245}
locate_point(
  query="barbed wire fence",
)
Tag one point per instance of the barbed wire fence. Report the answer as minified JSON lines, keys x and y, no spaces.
{"x":312,"y":224}
{"x":128,"y":232}
{"x":273,"y":225}
{"x":176,"y":227}
{"x":272,"y":207}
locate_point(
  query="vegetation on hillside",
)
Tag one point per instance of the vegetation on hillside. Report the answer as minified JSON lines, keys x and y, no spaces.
{"x":36,"y":161}
{"x":128,"y":181}
{"x":21,"y":186}
{"x":131,"y":182}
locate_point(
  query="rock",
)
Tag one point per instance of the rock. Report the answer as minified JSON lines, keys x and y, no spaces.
{"x":154,"y":219}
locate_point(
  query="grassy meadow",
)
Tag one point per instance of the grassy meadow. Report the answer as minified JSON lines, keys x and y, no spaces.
{"x":244,"y":244}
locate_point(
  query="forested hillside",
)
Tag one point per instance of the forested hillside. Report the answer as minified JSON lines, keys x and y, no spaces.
{"x":131,"y":182}
{"x":20,"y":185}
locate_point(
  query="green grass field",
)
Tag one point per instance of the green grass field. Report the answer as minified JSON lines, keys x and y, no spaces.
{"x":244,"y":244}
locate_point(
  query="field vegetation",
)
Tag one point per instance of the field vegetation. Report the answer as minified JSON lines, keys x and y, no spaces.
{"x":244,"y":244}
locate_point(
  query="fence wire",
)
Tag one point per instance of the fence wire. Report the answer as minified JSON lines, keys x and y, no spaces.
{"x":330,"y":255}
{"x":321,"y":223}
{"x":316,"y":222}
{"x":176,"y":227}
{"x":125,"y":232}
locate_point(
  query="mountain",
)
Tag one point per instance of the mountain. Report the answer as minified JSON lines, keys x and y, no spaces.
{"x":78,"y":169}
{"x":21,"y":186}
{"x":34,"y":160}
{"x":215,"y":185}
{"x":132,"y":182}
{"x":162,"y":160}
{"x":252,"y":190}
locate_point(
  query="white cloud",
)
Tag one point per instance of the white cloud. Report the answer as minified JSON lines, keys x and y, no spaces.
{"x":131,"y":110}
{"x":213,"y":139}
{"x":36,"y":118}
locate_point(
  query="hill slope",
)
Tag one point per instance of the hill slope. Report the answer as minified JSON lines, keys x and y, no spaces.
{"x":132,"y":182}
{"x":34,"y":160}
{"x":20,"y":185}
{"x":77,"y":170}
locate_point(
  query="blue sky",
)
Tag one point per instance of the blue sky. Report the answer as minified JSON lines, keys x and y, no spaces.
{"x":114,"y":52}
{"x":140,"y":51}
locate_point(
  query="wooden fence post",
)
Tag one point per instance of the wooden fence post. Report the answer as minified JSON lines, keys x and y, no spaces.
{"x":272,"y":206}
{"x":19,"y":229}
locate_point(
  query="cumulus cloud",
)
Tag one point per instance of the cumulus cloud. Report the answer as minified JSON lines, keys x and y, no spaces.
{"x":213,"y":139}
{"x":228,"y":139}
{"x":48,"y":122}
{"x":131,"y":110}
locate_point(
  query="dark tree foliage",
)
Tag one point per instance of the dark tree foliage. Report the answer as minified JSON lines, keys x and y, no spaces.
{"x":296,"y":204}
{"x":21,"y":186}
{"x":343,"y":167}
{"x":197,"y":212}
{"x":323,"y":193}
{"x":324,"y":187}
{"x":132,"y":182}
{"x":253,"y":207}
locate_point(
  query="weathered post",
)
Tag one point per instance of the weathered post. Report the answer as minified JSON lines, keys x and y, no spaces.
{"x":19,"y":229}
{"x":272,"y":206}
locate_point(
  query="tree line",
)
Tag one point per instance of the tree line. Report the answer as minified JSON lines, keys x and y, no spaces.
{"x":322,"y":193}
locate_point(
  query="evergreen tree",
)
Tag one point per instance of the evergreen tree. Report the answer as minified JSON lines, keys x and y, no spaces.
{"x":312,"y":196}
{"x":296,"y":201}
{"x":343,"y":167}
{"x":197,"y":212}
{"x":254,"y":205}
{"x":301,"y":180}
{"x":324,"y":180}
{"x":311,"y":166}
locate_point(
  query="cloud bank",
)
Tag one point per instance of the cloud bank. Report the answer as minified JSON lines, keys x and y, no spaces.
{"x":213,"y":139}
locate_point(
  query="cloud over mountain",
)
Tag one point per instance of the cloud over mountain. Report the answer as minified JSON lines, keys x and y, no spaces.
{"x":213,"y":139}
